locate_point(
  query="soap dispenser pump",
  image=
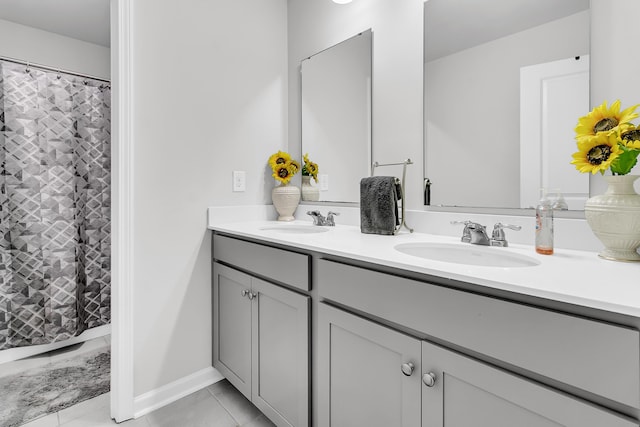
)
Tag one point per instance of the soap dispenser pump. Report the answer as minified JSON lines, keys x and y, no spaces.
{"x":544,"y":225}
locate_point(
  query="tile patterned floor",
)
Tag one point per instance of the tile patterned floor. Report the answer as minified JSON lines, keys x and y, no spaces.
{"x":219,"y":405}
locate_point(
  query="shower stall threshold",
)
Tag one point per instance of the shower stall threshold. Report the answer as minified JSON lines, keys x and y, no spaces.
{"x":18,"y":353}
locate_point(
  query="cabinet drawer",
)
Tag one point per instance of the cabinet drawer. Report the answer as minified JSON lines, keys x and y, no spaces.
{"x":594,"y":356}
{"x":283,"y":266}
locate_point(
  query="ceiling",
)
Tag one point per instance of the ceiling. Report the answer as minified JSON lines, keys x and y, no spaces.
{"x":454,"y":25}
{"x":449,"y":24}
{"x":87,"y":20}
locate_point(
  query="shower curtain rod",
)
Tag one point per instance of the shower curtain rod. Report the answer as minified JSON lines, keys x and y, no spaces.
{"x":45,"y":67}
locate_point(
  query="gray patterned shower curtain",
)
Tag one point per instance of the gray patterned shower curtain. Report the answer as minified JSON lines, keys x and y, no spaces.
{"x":55,"y":222}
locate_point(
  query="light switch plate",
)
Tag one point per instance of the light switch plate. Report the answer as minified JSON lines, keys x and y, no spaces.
{"x":324,"y":182}
{"x":239,"y":181}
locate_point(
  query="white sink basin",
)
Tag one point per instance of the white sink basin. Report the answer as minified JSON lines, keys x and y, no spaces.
{"x":295,"y":229}
{"x":463,"y":253}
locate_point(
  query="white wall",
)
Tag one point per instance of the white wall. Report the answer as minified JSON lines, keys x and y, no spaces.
{"x":397,"y":73}
{"x":209,"y":97}
{"x":53,"y":50}
{"x":615,"y":70}
{"x":472,"y":112}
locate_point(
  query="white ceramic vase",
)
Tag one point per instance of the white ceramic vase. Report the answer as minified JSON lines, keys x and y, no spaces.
{"x":614,"y":218}
{"x":285,"y":199}
{"x":309,"y":192}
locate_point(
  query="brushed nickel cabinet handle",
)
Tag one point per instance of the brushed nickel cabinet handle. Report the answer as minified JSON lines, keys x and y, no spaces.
{"x":429,"y":379}
{"x":407,"y":368}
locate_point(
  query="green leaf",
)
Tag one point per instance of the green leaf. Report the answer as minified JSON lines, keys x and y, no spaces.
{"x":625,"y":162}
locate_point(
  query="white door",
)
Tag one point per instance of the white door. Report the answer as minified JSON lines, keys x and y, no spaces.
{"x":553,"y":96}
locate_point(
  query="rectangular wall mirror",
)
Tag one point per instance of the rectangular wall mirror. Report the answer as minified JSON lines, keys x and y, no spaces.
{"x":336,"y":117}
{"x":505,"y":83}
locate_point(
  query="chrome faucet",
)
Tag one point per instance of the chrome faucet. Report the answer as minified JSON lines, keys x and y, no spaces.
{"x":498,"y":237}
{"x":476,"y":234}
{"x":473,"y":233}
{"x":319,"y":219}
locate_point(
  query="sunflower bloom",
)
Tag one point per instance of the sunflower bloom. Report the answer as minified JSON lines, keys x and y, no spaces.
{"x":309,"y":168}
{"x":630,"y":137}
{"x":283,"y":172}
{"x":313,"y":170}
{"x":294,"y":166}
{"x":596,"y":154}
{"x":604,"y":119}
{"x":278,"y":159}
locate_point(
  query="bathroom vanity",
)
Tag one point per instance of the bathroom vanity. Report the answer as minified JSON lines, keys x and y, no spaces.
{"x":261,"y":326}
{"x":337,"y":328}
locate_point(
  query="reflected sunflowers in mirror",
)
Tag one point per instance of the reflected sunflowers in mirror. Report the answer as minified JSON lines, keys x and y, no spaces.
{"x":309,"y":168}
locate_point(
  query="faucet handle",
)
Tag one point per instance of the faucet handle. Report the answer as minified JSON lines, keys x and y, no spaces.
{"x":330,"y":220}
{"x":498,"y":228}
{"x":317,"y":217}
{"x":466,"y":233}
{"x":498,"y":237}
{"x":469,"y":224}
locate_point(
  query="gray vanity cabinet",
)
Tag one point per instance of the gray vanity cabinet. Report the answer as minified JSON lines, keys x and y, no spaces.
{"x":361,"y":381}
{"x":372,"y":375}
{"x":261,"y":343}
{"x":396,"y":350}
{"x":384,"y":321}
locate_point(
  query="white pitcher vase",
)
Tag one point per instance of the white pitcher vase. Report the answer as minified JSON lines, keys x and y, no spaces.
{"x":309,"y":192}
{"x":285,"y":199}
{"x":614,"y":217}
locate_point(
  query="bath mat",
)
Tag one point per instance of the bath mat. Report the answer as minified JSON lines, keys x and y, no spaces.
{"x":36,"y":392}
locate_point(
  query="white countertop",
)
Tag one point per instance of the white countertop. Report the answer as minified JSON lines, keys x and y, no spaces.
{"x":571,"y":276}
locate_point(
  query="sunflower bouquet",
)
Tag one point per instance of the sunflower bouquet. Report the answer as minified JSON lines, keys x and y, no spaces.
{"x":309,"y":168}
{"x":607,"y":139}
{"x":283,"y":167}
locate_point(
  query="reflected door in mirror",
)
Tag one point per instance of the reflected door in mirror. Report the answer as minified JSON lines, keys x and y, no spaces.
{"x":552,"y":96}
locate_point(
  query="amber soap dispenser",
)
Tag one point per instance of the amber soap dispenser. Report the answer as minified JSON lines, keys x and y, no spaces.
{"x":544,"y":225}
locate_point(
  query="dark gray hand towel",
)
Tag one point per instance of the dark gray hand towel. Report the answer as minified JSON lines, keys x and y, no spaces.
{"x":379,"y":197}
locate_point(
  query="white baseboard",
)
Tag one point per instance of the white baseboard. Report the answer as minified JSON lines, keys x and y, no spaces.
{"x":171,"y":392}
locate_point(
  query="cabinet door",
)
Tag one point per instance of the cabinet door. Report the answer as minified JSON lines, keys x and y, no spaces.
{"x":280,"y":354}
{"x":232,"y":326}
{"x":470,"y":393}
{"x":360,"y":379}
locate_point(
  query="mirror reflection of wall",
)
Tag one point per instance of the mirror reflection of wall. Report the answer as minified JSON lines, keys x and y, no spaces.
{"x":474,"y":53}
{"x":336,"y":116}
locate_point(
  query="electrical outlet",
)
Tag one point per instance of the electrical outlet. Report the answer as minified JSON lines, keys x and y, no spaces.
{"x":239,"y":181}
{"x":324,"y":182}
